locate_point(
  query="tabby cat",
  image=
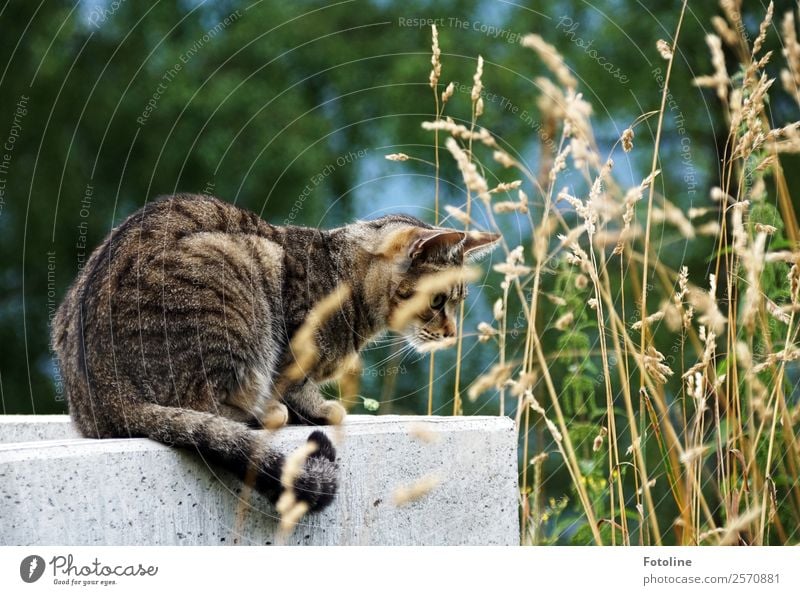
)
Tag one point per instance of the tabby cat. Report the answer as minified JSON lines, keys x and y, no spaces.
{"x":178,"y":327}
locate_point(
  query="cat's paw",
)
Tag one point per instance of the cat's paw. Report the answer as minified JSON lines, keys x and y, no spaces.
{"x":324,"y":413}
{"x":333,"y":412}
{"x":276,"y":415}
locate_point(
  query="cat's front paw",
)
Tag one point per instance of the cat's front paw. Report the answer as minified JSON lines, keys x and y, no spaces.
{"x":276,"y":415}
{"x":321,"y":413}
{"x":333,"y":412}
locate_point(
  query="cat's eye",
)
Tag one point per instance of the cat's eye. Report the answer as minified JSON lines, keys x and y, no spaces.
{"x":438,"y":301}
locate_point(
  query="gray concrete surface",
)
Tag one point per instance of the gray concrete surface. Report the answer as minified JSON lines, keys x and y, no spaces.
{"x":56,"y":489}
{"x":30,"y":428}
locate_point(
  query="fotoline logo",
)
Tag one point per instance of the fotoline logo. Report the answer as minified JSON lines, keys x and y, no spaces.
{"x":31,"y":568}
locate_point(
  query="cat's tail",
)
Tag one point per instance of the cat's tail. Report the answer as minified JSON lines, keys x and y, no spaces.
{"x":241,"y":450}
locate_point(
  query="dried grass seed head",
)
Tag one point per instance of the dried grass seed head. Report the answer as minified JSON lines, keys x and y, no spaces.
{"x":436,"y":61}
{"x":552,"y":59}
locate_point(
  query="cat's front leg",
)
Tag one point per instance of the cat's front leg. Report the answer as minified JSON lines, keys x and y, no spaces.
{"x":307,"y":406}
{"x":252,"y":403}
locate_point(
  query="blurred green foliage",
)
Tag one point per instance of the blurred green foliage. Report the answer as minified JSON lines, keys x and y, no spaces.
{"x":288,"y":109}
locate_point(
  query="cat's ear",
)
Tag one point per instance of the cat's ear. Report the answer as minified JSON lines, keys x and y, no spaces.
{"x":416,"y":242}
{"x":434,"y":239}
{"x":478,"y":244}
{"x":475,"y":244}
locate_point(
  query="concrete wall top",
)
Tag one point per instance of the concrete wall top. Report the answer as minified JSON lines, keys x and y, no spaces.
{"x":59,"y":489}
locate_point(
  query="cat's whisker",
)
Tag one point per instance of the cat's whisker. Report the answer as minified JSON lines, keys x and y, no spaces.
{"x":388,"y":358}
{"x":413,"y":348}
{"x":419,"y":356}
{"x":403,"y":351}
{"x":395,"y":341}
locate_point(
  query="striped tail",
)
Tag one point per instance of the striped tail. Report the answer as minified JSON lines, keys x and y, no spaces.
{"x":239,"y":449}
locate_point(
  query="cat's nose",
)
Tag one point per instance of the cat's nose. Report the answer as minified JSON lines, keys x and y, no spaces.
{"x":449,"y":329}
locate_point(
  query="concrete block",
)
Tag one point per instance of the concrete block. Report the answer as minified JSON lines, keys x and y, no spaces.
{"x":72,"y":491}
{"x":31,"y":428}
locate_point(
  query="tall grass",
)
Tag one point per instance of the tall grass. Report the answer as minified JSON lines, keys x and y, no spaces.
{"x":692,"y":443}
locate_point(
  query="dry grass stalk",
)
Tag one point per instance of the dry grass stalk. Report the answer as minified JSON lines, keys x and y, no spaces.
{"x":397,"y":157}
{"x":486,"y":332}
{"x":655,"y":317}
{"x":598,"y":440}
{"x":664,"y":49}
{"x":495,"y":378}
{"x":458,"y":214}
{"x":655,"y":366}
{"x":411,"y":493}
{"x":512,"y":270}
{"x":718,"y":387}
{"x":538,"y":459}
{"x":304,"y":346}
{"x":724,"y":30}
{"x":706,"y":304}
{"x":477,"y":88}
{"x":506,"y":186}
{"x":504,"y":158}
{"x":720,"y":79}
{"x":564,"y":322}
{"x":552,"y":59}
{"x":436,"y":58}
{"x":675,"y":216}
{"x":508,"y":206}
{"x":474,"y":181}
{"x":535,"y":406}
{"x":633,"y":196}
{"x":434,"y":346}
{"x":448,"y":93}
{"x":423,"y":433}
{"x":790,"y":354}
{"x":790,"y":76}
{"x":762,"y":30}
{"x":523,"y":383}
{"x":460,"y":131}
{"x":290,"y":509}
{"x":349,"y":379}
{"x":627,"y":140}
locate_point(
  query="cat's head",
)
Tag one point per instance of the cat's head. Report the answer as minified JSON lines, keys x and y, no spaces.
{"x":407,"y":252}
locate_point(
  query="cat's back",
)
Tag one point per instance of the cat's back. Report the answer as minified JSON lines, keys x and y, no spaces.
{"x":174,"y":217}
{"x":184,"y":246}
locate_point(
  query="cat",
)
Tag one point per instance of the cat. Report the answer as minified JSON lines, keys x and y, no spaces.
{"x":178,"y":327}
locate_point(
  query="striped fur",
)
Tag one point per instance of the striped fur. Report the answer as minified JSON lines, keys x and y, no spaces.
{"x":179,"y":327}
